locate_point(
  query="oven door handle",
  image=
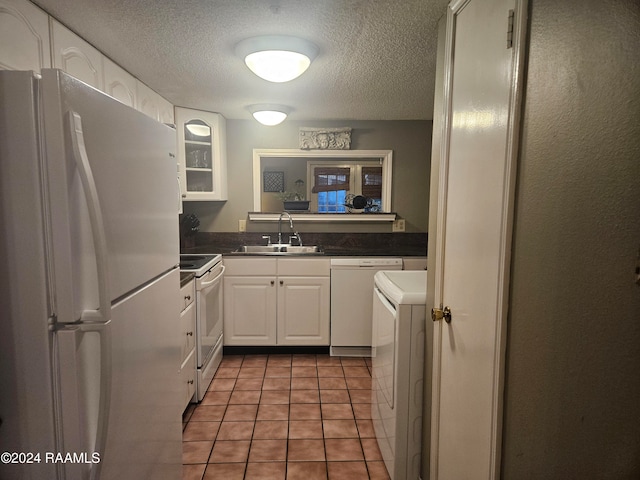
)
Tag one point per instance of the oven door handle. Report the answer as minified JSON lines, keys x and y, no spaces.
{"x":210,"y":282}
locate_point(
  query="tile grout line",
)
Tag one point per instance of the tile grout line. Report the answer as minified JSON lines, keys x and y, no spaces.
{"x":358,"y":428}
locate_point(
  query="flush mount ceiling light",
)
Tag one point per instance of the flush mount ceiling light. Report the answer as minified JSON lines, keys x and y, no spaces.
{"x":199,"y":130}
{"x":268,"y":114}
{"x":277,"y":58}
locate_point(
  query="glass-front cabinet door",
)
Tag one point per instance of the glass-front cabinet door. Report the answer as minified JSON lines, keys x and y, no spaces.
{"x":203,"y":155}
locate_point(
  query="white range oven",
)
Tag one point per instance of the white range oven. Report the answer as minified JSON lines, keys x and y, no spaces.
{"x":209,"y":272}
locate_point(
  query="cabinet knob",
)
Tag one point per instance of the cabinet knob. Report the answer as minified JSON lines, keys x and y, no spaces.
{"x":187,"y":297}
{"x":273,"y":282}
{"x":189,"y":334}
{"x":281,"y":282}
{"x":190,"y":382}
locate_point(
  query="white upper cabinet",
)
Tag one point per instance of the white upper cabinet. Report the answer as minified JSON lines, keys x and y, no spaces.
{"x":32,"y":40}
{"x":153,"y":105}
{"x":24,"y":36}
{"x":166,"y":111}
{"x":119,"y":83}
{"x":75,"y":56}
{"x":202,"y":154}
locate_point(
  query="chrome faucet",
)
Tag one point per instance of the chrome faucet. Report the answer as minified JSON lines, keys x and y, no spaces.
{"x":295,"y":234}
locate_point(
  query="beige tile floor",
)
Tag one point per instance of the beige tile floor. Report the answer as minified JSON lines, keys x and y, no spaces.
{"x":284,"y":417}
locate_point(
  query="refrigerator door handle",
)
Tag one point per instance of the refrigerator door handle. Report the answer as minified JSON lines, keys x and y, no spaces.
{"x":74,"y":385}
{"x":79,"y":152}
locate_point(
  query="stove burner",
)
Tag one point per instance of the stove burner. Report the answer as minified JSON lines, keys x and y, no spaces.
{"x":198,"y":264}
{"x":192,"y":258}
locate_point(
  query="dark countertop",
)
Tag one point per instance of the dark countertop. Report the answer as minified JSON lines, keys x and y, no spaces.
{"x":333,"y":244}
{"x":327,"y":252}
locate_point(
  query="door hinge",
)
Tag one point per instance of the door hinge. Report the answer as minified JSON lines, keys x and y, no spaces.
{"x":510,"y":29}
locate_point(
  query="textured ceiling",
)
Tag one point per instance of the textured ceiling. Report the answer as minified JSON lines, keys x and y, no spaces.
{"x":376,"y":60}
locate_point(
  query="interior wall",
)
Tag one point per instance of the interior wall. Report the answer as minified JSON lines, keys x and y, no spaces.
{"x":409,"y":140}
{"x":573,"y":383}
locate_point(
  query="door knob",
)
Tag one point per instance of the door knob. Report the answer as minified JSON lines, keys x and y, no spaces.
{"x":438,"y":314}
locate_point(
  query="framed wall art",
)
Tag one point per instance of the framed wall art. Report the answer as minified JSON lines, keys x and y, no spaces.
{"x":273,"y":181}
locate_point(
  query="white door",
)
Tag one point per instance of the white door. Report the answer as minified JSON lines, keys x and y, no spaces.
{"x":481,"y":98}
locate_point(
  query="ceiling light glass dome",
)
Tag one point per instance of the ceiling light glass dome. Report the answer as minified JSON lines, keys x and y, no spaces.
{"x":277,"y":58}
{"x":268,"y":114}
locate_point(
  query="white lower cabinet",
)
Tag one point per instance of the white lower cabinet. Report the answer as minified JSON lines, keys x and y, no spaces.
{"x":249,"y":310}
{"x":283,"y":301}
{"x":414,"y":263}
{"x":188,"y":351}
{"x":303,"y":311}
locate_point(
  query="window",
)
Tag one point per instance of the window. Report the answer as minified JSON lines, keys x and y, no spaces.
{"x":330,"y":184}
{"x":295,"y":164}
{"x":332,"y":202}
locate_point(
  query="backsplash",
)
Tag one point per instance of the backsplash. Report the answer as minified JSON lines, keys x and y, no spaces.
{"x":401,"y":244}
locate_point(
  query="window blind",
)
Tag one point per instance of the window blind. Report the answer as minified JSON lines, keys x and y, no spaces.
{"x":327,"y":179}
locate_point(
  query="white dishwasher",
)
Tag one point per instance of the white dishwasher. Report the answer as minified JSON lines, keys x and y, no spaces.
{"x":351,"y":302}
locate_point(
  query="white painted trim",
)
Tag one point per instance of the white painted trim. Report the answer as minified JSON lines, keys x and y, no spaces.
{"x":439,"y":239}
{"x":385,"y":155}
{"x":325,"y":217}
{"x":517,"y":92}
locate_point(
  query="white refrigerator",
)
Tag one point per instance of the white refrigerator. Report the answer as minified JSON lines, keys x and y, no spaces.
{"x":89,"y":298}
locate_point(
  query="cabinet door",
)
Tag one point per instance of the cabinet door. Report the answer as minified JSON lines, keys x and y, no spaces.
{"x":148,"y":101}
{"x":165,"y":108}
{"x":303,"y":311}
{"x":119,"y":83}
{"x":202,"y":154}
{"x":24,"y":36}
{"x":249,"y":311}
{"x":152,"y":104}
{"x":75,"y":56}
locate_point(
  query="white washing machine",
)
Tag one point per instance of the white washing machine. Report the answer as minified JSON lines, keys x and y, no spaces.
{"x":398,"y":339}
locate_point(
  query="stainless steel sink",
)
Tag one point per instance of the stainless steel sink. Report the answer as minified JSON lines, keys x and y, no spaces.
{"x":279,"y":249}
{"x":307,"y":249}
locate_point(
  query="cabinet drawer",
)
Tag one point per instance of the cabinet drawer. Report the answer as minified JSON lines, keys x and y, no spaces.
{"x":187,"y":295}
{"x":315,"y":267}
{"x":187,"y":329}
{"x":250,"y":266}
{"x":188,"y":379}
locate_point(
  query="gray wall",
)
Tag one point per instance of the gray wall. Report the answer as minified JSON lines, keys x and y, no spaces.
{"x":572,"y":400}
{"x":409,"y":140}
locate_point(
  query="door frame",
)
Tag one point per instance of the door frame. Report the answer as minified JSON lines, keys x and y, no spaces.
{"x":520,"y":8}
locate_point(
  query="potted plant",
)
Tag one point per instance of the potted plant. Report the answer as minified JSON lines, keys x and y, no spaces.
{"x":294,"y":200}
